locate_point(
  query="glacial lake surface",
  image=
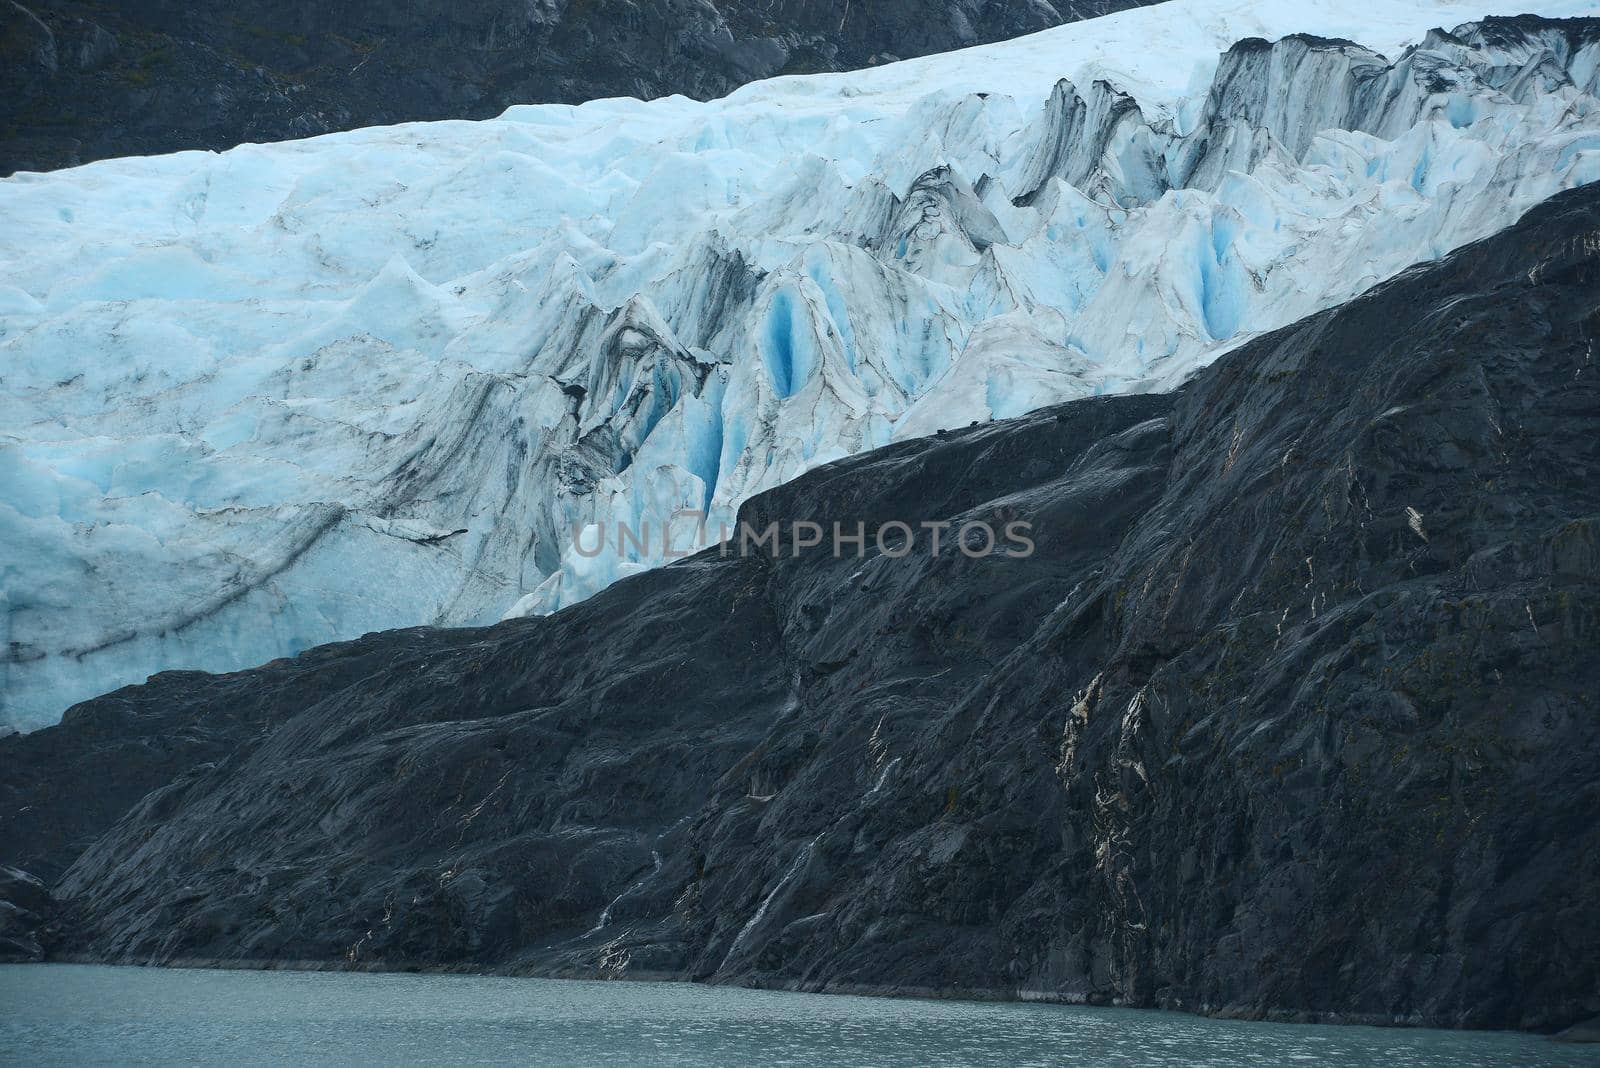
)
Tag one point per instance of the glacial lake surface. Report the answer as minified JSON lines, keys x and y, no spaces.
{"x":86,"y":1014}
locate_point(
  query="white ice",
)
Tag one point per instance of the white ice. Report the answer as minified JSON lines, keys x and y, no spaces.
{"x":259,"y":400}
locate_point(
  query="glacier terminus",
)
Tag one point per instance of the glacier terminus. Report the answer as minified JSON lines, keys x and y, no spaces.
{"x":255,"y":401}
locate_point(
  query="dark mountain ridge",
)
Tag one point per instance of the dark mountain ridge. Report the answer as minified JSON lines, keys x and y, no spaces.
{"x":1292,"y":714}
{"x":83,"y":80}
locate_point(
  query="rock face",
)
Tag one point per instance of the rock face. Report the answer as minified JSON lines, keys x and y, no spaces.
{"x":61,"y":789}
{"x":27,"y":912}
{"x":84,"y":81}
{"x":1587,"y":1031}
{"x":1291,"y":713}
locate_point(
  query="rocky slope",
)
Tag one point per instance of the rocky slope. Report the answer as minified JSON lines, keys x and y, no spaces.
{"x":27,"y":915}
{"x":260,"y":401}
{"x":83,"y":80}
{"x":1291,"y":713}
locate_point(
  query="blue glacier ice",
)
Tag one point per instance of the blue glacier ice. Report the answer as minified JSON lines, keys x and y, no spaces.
{"x":263,"y":399}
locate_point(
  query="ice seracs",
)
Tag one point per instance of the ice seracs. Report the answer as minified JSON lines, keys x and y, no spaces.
{"x":256,"y":401}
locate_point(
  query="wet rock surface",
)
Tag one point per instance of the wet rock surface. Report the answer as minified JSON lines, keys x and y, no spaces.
{"x":1587,"y":1031}
{"x":27,"y":915}
{"x":83,"y":81}
{"x":1292,"y":713}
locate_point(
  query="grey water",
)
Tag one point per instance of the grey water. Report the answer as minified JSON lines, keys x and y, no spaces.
{"x":87,"y":1014}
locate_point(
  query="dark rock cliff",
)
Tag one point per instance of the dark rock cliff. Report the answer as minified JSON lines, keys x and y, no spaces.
{"x":81,"y":80}
{"x":27,"y":915}
{"x":1293,"y":713}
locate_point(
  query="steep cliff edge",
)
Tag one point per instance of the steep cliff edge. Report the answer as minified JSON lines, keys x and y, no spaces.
{"x":1291,"y":714}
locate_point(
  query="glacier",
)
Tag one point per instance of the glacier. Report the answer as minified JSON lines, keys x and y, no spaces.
{"x":255,"y":401}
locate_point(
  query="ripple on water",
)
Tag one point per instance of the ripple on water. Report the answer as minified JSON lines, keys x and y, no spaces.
{"x":84,"y":1014}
